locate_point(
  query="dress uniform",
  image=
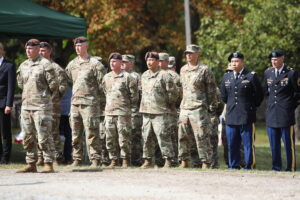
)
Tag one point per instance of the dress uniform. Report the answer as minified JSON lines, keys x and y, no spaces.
{"x":242,"y":93}
{"x":282,"y":88}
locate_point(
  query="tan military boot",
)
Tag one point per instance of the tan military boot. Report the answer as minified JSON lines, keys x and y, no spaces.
{"x":184,"y":164}
{"x":168,"y":163}
{"x":31,"y":167}
{"x":48,"y":168}
{"x":40,"y":162}
{"x":76,"y":163}
{"x":205,"y":165}
{"x":95,"y":163}
{"x":147,"y":164}
{"x":124,"y":163}
{"x":112,"y":164}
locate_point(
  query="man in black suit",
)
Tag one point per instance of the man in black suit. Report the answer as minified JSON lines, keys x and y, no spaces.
{"x":7,"y":88}
{"x":282,"y":87}
{"x":242,"y":93}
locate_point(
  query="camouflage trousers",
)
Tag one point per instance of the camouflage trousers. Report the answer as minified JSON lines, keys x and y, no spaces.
{"x":85,"y":118}
{"x":174,"y":132}
{"x":136,"y":139}
{"x":155,"y":127}
{"x":56,"y":146}
{"x":118,"y":132}
{"x":36,"y":126}
{"x":102,"y":136}
{"x":194,"y":127}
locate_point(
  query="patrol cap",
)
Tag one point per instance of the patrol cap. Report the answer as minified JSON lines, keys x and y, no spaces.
{"x":45,"y":45}
{"x":80,"y":39}
{"x":151,"y":54}
{"x":32,"y":43}
{"x":172,"y":62}
{"x":235,"y":55}
{"x":192,"y":48}
{"x":163,"y":56}
{"x":276,"y":53}
{"x":128,"y":58}
{"x":115,"y":55}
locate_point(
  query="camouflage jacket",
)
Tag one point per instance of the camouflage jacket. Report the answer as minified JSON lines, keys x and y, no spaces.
{"x":199,"y":88}
{"x":121,"y":92}
{"x":38,"y":80}
{"x":86,"y":77}
{"x":63,"y":86}
{"x":137,"y":77}
{"x":159,"y":92}
{"x":176,"y":79}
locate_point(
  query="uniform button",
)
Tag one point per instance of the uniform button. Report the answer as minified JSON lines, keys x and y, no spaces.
{"x":235,"y":102}
{"x":275,"y":101}
{"x":235,"y":87}
{"x":275,"y":91}
{"x":275,"y":96}
{"x":275,"y":85}
{"x":235,"y":97}
{"x":235,"y":92}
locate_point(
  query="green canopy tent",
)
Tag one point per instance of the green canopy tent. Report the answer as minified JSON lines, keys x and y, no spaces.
{"x":24,"y":18}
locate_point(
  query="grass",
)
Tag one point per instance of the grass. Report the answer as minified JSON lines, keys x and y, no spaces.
{"x":263,"y":153}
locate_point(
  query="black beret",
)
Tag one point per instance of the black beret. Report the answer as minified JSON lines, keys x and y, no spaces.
{"x":80,"y":39}
{"x":115,"y":55}
{"x":235,"y":55}
{"x":32,"y":42}
{"x":276,"y":53}
{"x":45,"y":45}
{"x":151,"y":54}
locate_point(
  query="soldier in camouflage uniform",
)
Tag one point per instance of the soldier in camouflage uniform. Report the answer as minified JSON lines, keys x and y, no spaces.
{"x":199,"y":100}
{"x":158,"y":94}
{"x":173,"y":125}
{"x":121,"y":92}
{"x":85,"y":73}
{"x":136,"y":117}
{"x":37,"y":78}
{"x":46,"y":51}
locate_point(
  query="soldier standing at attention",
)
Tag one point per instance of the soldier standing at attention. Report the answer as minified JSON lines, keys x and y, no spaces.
{"x":121,"y":92}
{"x":158,"y":93}
{"x":46,"y":52}
{"x":37,"y":78}
{"x":136,"y":117}
{"x":242,"y":93}
{"x":198,"y":101}
{"x":282,"y":89}
{"x":85,"y":73}
{"x":173,"y":121}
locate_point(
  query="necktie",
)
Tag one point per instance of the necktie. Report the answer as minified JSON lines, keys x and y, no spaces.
{"x":277,"y":73}
{"x":237,"y":76}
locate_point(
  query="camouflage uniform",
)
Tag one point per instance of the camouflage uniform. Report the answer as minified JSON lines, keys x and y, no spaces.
{"x":136,"y":124}
{"x":199,"y":98}
{"x":86,"y":77}
{"x":63,"y":86}
{"x":38,"y":80}
{"x":121,"y":96}
{"x":158,"y":93}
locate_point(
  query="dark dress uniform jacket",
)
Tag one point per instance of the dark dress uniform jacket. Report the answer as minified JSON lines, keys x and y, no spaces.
{"x":7,"y":83}
{"x":283,"y":92}
{"x":241,"y":96}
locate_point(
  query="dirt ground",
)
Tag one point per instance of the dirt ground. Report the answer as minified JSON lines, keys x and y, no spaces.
{"x":149,"y":184}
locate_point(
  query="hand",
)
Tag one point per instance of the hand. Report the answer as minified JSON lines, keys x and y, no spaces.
{"x":7,"y":110}
{"x":221,"y":118}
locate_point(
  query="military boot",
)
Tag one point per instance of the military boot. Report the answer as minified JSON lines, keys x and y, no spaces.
{"x":205,"y":165}
{"x":48,"y":168}
{"x":40,"y":161}
{"x":124,"y":163}
{"x":31,"y":167}
{"x":147,"y":164}
{"x":95,"y":163}
{"x":168,"y":163}
{"x":112,"y":164}
{"x":76,"y":163}
{"x":184,"y":164}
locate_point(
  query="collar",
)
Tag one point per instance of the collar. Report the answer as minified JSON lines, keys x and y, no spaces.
{"x":83,"y":60}
{"x":1,"y":60}
{"x":118,"y":75}
{"x":153,"y":74}
{"x":239,"y":73}
{"x":192,"y":68}
{"x":280,"y":69}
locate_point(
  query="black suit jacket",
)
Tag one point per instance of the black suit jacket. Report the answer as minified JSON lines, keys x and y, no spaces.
{"x":283,"y":93}
{"x":241,"y":96}
{"x":7,"y":83}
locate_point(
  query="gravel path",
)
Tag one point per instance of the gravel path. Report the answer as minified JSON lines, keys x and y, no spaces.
{"x":149,"y":184}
